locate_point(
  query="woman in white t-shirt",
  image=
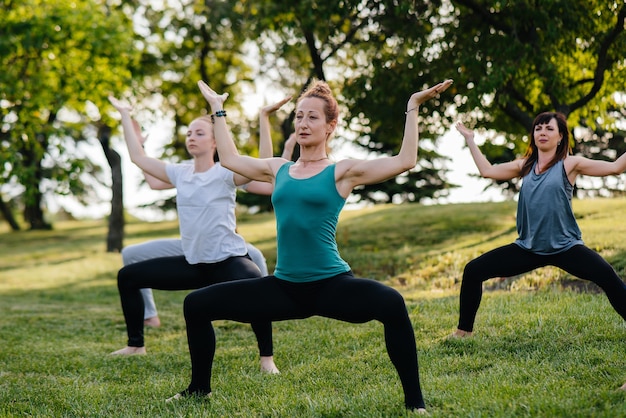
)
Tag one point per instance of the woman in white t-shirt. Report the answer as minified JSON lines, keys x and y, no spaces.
{"x":213,"y":251}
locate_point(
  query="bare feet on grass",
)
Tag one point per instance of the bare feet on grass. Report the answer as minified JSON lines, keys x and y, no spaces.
{"x":268,"y":366}
{"x":129,"y":351}
{"x":459,"y":333}
{"x":154,"y":322}
{"x":186,"y":394}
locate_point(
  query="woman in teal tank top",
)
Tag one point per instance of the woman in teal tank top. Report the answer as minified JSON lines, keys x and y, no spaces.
{"x":310,"y":277}
{"x":547,"y":228}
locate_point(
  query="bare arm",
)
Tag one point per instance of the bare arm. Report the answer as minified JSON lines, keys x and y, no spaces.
{"x":504,"y":171}
{"x":147,"y":164}
{"x":290,"y":145}
{"x":153,"y":182}
{"x":357,"y":172}
{"x":265,"y":134}
{"x":259,"y":187}
{"x":252,"y":168}
{"x":597,"y":168}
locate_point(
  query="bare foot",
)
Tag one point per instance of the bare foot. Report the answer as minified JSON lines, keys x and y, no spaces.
{"x":268,"y":366}
{"x":459,"y":333}
{"x":154,"y":322}
{"x":623,"y":387}
{"x":129,"y":351}
{"x":185,"y":394}
{"x":416,"y":411}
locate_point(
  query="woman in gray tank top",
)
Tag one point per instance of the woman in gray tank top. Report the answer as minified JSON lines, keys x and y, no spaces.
{"x":548,"y":232}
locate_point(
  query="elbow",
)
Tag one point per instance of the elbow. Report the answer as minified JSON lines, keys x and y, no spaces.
{"x":484,"y":174}
{"x":408,"y":163}
{"x":227,"y":161}
{"x":136,"y":161}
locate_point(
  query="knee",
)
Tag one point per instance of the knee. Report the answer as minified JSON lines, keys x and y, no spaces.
{"x":471,"y":271}
{"x":393,"y":303}
{"x":197,"y":303}
{"x":129,"y":255}
{"x":122,"y":280}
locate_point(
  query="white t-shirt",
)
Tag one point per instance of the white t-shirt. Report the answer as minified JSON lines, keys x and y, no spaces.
{"x":206,"y":213}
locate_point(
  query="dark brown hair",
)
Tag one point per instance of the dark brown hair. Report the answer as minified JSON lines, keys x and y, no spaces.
{"x":562,"y":150}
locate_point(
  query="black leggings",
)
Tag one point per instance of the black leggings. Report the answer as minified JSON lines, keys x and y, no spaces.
{"x":175,"y":273}
{"x":342,"y":297}
{"x":511,"y":260}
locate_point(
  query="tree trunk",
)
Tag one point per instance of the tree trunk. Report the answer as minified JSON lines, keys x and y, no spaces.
{"x":115,"y":236}
{"x":33,"y":213}
{"x":33,"y":198}
{"x":5,"y":210}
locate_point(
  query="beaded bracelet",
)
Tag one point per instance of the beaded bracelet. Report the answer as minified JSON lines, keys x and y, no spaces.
{"x":220,"y":113}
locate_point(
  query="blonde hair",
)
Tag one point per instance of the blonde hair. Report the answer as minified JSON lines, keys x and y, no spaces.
{"x":205,"y":118}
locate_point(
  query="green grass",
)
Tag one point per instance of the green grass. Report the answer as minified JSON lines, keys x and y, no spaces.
{"x":545,"y":345}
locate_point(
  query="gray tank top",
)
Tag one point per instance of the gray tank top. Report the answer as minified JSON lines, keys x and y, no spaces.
{"x":545,"y":220}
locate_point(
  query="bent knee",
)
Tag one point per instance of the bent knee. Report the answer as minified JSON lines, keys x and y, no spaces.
{"x":198,"y":302}
{"x":392,"y":304}
{"x":472,"y":270}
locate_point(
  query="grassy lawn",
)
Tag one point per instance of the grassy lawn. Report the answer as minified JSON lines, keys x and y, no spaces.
{"x":546,"y":344}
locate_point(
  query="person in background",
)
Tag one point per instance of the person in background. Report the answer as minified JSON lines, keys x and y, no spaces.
{"x":213,"y":251}
{"x":547,"y":229}
{"x":310,"y":277}
{"x":168,"y":247}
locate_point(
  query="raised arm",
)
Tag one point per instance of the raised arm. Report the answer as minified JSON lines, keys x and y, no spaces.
{"x":147,"y":164}
{"x":252,"y":168}
{"x":290,"y":146}
{"x":266,"y":149}
{"x":598,"y":168}
{"x":153,"y":182}
{"x":504,"y":171}
{"x":380,"y":169}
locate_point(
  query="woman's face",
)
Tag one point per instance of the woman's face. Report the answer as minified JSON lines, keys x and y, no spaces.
{"x":200,"y":139}
{"x":310,"y":123}
{"x":547,"y":135}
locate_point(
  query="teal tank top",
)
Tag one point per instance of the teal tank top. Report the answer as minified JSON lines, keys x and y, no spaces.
{"x":307,"y":212}
{"x":545,"y":219}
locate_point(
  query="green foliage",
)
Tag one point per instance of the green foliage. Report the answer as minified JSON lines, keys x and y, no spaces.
{"x":196,"y":41}
{"x":58,"y":59}
{"x":538,"y":351}
{"x":513,"y":60}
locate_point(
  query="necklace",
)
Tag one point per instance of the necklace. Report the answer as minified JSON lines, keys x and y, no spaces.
{"x":312,"y":161}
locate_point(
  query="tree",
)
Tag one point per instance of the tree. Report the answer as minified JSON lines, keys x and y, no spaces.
{"x":371,"y":49}
{"x":513,"y":60}
{"x":57,"y":57}
{"x":7,"y":214}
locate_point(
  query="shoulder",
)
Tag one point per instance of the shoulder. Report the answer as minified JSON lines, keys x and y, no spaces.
{"x":344,"y":166}
{"x":226,"y":175}
{"x":571,"y":162}
{"x":177,"y":169}
{"x":278,"y":164}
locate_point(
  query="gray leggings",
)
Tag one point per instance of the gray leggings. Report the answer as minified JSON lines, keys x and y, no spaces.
{"x":511,"y":260}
